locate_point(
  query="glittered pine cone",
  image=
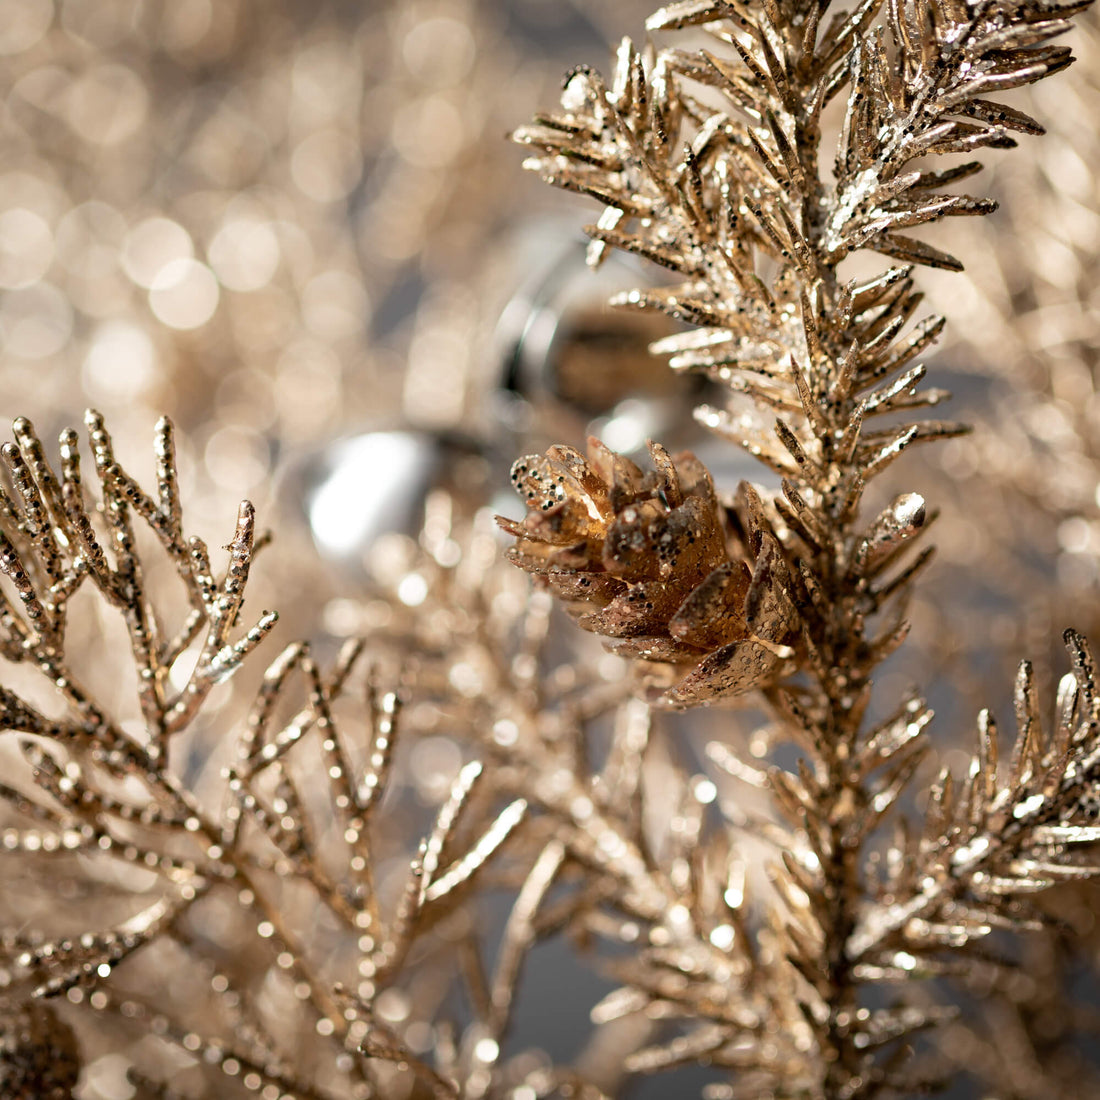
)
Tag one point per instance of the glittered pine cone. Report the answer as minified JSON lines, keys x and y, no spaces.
{"x":39,"y":1057}
{"x":646,"y":559}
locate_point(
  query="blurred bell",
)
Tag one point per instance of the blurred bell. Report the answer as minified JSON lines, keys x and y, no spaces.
{"x":570,"y":364}
{"x":564,"y":365}
{"x":378,"y":483}
{"x":574,"y":366}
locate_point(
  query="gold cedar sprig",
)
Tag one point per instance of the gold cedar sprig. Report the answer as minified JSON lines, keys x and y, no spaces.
{"x":95,"y":798}
{"x":50,"y":547}
{"x":709,"y":160}
{"x":1002,"y":835}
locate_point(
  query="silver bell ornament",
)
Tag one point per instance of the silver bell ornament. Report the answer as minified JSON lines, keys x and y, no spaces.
{"x":562,"y":365}
{"x":570,"y":364}
{"x":573,"y":365}
{"x":359,"y":489}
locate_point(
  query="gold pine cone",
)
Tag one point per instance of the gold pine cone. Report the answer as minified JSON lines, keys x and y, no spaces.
{"x":39,"y":1056}
{"x":646,"y":559}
